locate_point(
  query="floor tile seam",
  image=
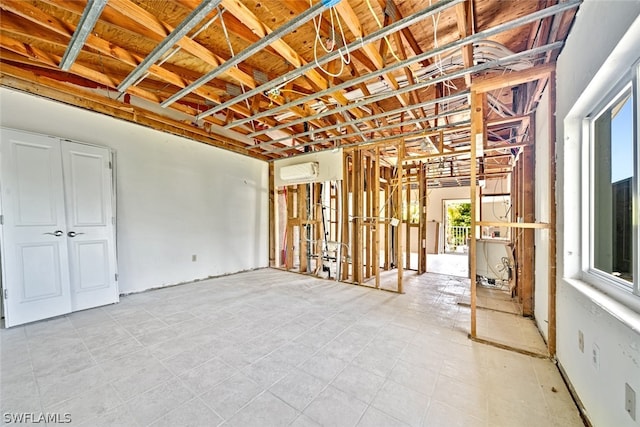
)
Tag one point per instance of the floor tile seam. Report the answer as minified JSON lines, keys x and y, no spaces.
{"x":140,"y":393}
{"x":330,"y":384}
{"x":95,"y":364}
{"x":79,"y":392}
{"x":413,"y":389}
{"x":440,"y":374}
{"x":200,"y":396}
{"x":485,"y":420}
{"x":311,"y":401}
{"x":195,"y":397}
{"x":422,"y":417}
{"x":544,"y":399}
{"x":121,"y":401}
{"x":130,"y":335}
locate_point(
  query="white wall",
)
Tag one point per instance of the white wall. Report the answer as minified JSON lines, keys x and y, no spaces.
{"x":435,"y":197}
{"x":542,"y":211}
{"x":175,"y":197}
{"x":602,"y":44}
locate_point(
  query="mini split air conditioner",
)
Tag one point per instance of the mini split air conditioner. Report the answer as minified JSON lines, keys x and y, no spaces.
{"x":300,"y":172}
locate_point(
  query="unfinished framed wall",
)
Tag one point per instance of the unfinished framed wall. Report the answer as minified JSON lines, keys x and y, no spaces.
{"x":355,"y":229}
{"x":522,"y":221}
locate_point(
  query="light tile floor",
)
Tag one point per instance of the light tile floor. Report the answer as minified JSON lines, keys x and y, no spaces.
{"x":270,"y":348}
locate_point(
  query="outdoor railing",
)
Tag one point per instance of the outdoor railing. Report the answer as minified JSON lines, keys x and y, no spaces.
{"x":457,"y":239}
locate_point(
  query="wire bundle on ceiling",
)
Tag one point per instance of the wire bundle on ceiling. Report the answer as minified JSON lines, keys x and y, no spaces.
{"x":330,"y":44}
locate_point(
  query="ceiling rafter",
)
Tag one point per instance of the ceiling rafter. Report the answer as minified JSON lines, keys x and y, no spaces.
{"x":50,"y":23}
{"x":466,"y":27}
{"x":283,"y":100}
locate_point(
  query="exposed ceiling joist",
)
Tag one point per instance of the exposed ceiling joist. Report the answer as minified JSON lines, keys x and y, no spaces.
{"x":391,"y":72}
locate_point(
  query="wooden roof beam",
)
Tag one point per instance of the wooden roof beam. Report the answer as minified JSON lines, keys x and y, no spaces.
{"x":465,"y":28}
{"x":353,"y":23}
{"x":251,"y":21}
{"x":47,"y":24}
{"x":514,"y":78}
{"x":17,"y":78}
{"x":44,"y":20}
{"x":391,"y":9}
{"x":150,"y":22}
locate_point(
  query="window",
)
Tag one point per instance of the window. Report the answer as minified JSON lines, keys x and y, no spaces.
{"x":614,"y":187}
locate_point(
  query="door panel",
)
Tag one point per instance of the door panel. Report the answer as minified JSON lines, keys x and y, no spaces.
{"x":40,"y":271}
{"x":36,"y":187}
{"x":90,"y":229}
{"x":35,"y":255}
{"x":91,"y":273}
{"x":87,"y":186}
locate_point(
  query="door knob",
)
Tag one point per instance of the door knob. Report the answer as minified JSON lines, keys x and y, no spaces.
{"x":56,"y":233}
{"x":73,"y":234}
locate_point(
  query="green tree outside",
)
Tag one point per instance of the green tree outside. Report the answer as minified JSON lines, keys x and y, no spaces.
{"x":459,"y":215}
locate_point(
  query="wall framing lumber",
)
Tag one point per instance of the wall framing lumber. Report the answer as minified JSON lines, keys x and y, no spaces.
{"x":273,"y":195}
{"x":291,"y":218}
{"x":478,"y":133}
{"x":399,"y":229}
{"x":376,"y":218}
{"x":527,"y":263}
{"x":551,"y":338}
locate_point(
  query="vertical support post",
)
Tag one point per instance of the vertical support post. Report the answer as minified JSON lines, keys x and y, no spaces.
{"x":516,"y":190}
{"x":376,"y":217}
{"x":347,"y":186}
{"x":478,"y":135}
{"x":387,"y":214}
{"x":368,"y":224}
{"x":528,"y":234}
{"x":399,"y":229}
{"x":290,"y":222}
{"x":422,"y":222}
{"x":320,"y":236}
{"x":358,"y":179}
{"x":272,"y":217}
{"x":408,"y":227}
{"x":303,"y":226}
{"x":552,"y":215}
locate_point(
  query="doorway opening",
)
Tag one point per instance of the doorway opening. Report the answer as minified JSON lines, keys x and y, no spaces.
{"x":453,"y":258}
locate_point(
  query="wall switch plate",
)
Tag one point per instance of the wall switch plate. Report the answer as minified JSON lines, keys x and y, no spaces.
{"x":630,"y":401}
{"x":581,"y":341}
{"x":194,"y":258}
{"x":595,"y":356}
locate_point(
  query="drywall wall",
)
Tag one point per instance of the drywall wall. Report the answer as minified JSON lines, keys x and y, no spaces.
{"x":435,"y":197}
{"x":542,"y":209}
{"x":176,"y":198}
{"x":590,"y":64}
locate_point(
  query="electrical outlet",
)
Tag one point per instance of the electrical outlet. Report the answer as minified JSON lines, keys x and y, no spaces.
{"x":581,"y":341}
{"x":194,"y":258}
{"x":630,"y":401}
{"x":595,"y":356}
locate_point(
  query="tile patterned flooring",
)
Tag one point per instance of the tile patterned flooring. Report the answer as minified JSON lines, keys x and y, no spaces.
{"x":270,"y":348}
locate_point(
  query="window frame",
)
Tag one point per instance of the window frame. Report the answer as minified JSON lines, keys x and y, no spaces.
{"x":606,"y":282}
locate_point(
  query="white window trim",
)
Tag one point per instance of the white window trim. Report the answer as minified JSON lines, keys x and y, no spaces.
{"x":608,"y":284}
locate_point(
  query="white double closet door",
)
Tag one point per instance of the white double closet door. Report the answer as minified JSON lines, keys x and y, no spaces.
{"x":58,"y":233}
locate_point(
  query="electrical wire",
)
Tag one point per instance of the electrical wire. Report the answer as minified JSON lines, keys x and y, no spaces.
{"x":386,"y":39}
{"x":345,"y":58}
{"x":226,"y":35}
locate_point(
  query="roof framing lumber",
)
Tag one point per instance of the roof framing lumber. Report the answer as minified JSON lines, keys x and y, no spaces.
{"x":514,"y":78}
{"x":50,"y":23}
{"x":27,"y":81}
{"x":178,"y":32}
{"x":466,"y":28}
{"x":441,"y":5}
{"x":87,"y":21}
